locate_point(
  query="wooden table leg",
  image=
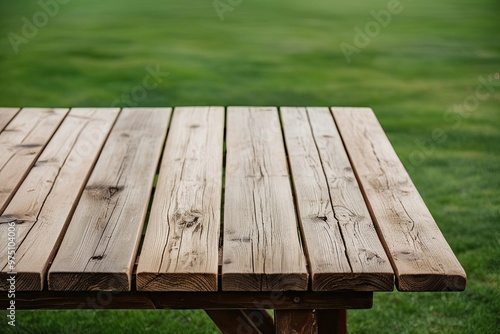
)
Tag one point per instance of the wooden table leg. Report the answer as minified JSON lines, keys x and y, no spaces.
{"x":332,"y":321}
{"x":296,"y":321}
{"x":242,"y":321}
{"x":311,"y":321}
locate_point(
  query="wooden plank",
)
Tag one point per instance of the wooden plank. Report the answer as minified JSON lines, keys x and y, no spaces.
{"x":99,"y":248}
{"x":342,"y":245}
{"x":6,"y":115}
{"x":42,"y":206}
{"x":295,"y":321}
{"x":421,"y":257}
{"x":262,"y":248}
{"x":180,"y":250}
{"x":21,"y":142}
{"x":320,"y":231}
{"x":26,"y":300}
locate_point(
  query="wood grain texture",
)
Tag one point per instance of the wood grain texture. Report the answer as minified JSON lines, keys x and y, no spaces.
{"x":295,"y":322}
{"x":44,"y":202}
{"x":6,"y":115}
{"x":342,"y":245}
{"x":262,"y":248}
{"x":99,"y":248}
{"x":345,"y":251}
{"x":320,"y":231}
{"x":21,"y":142}
{"x":421,"y":257}
{"x":180,"y":250}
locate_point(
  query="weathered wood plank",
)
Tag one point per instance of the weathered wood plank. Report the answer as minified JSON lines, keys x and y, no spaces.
{"x":342,"y":245}
{"x":21,"y":142}
{"x":180,"y":250}
{"x":262,"y":248}
{"x":296,"y":321}
{"x":421,"y":257}
{"x":99,"y":248}
{"x":6,"y":115}
{"x":322,"y":237}
{"x":44,"y":202}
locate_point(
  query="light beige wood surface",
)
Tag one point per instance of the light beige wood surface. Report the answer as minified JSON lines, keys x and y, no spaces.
{"x":262,"y":248}
{"x":6,"y":115}
{"x":421,"y":257}
{"x":78,"y":186}
{"x":21,"y":142}
{"x":180,"y":250}
{"x":343,"y":248}
{"x":99,"y":248}
{"x":44,"y":202}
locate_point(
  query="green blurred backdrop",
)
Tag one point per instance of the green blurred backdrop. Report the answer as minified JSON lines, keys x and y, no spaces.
{"x":434,"y":67}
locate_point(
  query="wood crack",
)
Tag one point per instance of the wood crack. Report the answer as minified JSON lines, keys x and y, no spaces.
{"x":409,"y":217}
{"x":374,"y":152}
{"x":52,"y":185}
{"x":329,"y":192}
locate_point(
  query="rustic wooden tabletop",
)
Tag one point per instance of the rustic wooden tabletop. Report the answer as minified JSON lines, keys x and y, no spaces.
{"x":212,"y":199}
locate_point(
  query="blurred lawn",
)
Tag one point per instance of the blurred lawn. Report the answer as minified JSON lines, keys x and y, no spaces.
{"x":427,"y":60}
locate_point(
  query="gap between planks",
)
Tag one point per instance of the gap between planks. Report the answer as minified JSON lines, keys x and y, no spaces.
{"x":342,"y":246}
{"x":21,"y":142}
{"x":40,"y":212}
{"x":180,"y":250}
{"x":261,"y":248}
{"x":419,"y":253}
{"x":113,"y":207}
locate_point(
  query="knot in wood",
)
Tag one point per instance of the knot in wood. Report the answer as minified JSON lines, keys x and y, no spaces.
{"x":188,"y":219}
{"x":28,"y":145}
{"x":103,"y":191}
{"x":114,"y":190}
{"x":344,"y":215}
{"x":406,"y":255}
{"x":6,"y":219}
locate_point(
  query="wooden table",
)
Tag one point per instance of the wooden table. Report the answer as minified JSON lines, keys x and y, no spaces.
{"x":306,"y":211}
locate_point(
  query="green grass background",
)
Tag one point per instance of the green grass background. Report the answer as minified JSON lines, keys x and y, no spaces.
{"x":427,"y":60}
